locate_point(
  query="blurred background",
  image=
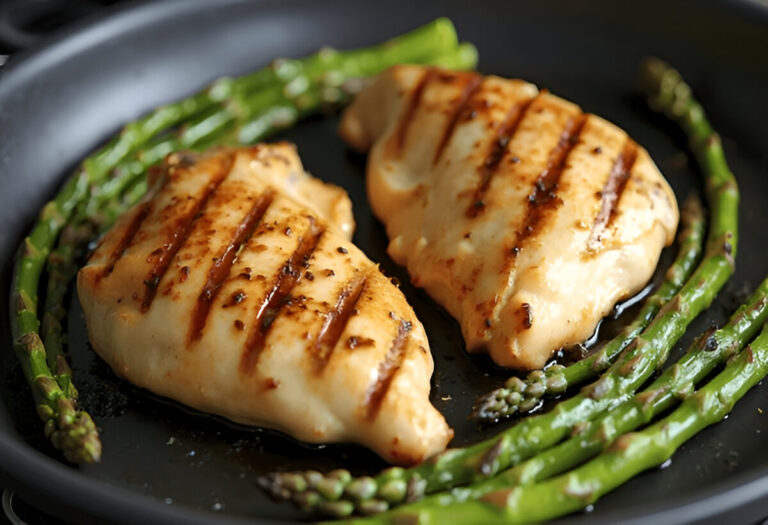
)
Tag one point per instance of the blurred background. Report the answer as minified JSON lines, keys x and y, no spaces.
{"x":24,"y":22}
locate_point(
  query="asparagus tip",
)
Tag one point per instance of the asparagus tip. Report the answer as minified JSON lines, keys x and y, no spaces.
{"x":78,"y":440}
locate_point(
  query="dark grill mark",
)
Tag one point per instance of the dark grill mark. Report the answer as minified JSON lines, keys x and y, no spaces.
{"x":162,"y":260}
{"x":286,"y":280}
{"x":614,"y":188}
{"x":223,"y":265}
{"x":472,"y":86}
{"x":336,"y":320}
{"x":355,"y":341}
{"x":504,"y":135}
{"x":387,"y":370}
{"x":524,"y":315}
{"x":125,"y":242}
{"x":410,"y":110}
{"x":544,"y":199}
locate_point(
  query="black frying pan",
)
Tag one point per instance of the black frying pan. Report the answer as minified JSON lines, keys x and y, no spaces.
{"x":164,"y":463}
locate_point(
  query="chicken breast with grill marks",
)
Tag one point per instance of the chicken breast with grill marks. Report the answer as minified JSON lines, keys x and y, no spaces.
{"x":524,"y":217}
{"x":234,"y":289}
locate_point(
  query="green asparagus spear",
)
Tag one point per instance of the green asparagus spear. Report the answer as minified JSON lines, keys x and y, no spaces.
{"x":70,"y":430}
{"x":216,"y":110}
{"x":629,"y":455}
{"x":335,"y":90}
{"x":677,"y":382}
{"x":636,"y":363}
{"x":519,"y":395}
{"x":419,"y":46}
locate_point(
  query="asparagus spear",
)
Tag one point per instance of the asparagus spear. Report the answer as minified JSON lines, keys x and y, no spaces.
{"x":676,"y":382}
{"x":629,"y":455}
{"x":707,"y":352}
{"x":418,"y":46}
{"x":71,"y":430}
{"x":519,"y":395}
{"x":340,"y":495}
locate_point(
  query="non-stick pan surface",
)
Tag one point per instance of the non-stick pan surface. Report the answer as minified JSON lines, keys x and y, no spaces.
{"x":164,"y":463}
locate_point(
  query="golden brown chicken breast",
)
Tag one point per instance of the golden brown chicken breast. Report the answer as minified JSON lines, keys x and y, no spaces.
{"x":234,"y":288}
{"x":524,"y":217}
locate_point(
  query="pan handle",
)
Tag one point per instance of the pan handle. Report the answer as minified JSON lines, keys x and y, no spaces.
{"x":23,"y":23}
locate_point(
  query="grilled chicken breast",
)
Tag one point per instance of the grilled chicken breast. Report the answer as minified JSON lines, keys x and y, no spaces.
{"x":526,"y":218}
{"x":234,"y":289}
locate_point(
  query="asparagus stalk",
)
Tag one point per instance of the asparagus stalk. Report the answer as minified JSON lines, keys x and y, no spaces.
{"x":217,"y":109}
{"x":676,"y":382}
{"x":70,"y":430}
{"x":337,"y":89}
{"x":521,"y":396}
{"x":418,"y":46}
{"x":629,"y":455}
{"x":340,"y":495}
{"x":707,"y":352}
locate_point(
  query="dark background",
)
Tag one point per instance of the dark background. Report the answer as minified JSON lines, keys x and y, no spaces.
{"x":23,"y":23}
